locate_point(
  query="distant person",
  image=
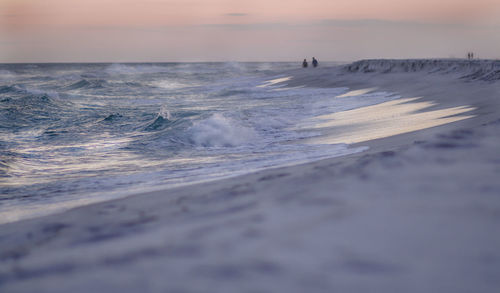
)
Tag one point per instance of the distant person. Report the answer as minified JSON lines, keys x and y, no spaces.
{"x":304,"y":64}
{"x":315,"y":62}
{"x":468,"y":55}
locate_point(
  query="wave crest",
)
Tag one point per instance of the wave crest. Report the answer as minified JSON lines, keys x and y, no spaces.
{"x":7,"y":89}
{"x":33,"y":92}
{"x":112,"y":117}
{"x":86,"y":84}
{"x":162,"y":120}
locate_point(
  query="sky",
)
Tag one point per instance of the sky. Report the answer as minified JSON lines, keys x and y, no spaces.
{"x":245,"y":30}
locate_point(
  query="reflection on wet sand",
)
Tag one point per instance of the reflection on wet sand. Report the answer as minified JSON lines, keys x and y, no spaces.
{"x":383,"y":120}
{"x":275,"y":81}
{"x":357,"y":92}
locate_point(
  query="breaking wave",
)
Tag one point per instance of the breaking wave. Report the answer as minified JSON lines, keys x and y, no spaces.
{"x":219,"y":131}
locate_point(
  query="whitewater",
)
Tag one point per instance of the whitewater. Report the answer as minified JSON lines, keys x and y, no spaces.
{"x":74,"y":134}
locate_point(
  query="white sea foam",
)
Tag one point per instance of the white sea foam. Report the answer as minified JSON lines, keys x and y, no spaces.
{"x":219,"y":131}
{"x":171,"y":84}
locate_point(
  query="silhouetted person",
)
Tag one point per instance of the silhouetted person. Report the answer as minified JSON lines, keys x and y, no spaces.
{"x":304,"y":64}
{"x":471,"y":55}
{"x":315,"y":62}
{"x":468,"y":55}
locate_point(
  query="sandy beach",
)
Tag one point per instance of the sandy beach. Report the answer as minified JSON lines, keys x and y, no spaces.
{"x":418,"y":211}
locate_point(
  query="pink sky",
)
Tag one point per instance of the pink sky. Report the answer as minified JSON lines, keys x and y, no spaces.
{"x":256,"y":30}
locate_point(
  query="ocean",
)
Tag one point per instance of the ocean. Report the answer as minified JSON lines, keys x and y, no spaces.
{"x":73,"y":134}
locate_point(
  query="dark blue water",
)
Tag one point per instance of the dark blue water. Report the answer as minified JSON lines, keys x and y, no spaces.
{"x":72,"y":134}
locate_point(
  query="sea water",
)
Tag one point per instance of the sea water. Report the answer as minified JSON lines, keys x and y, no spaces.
{"x":72,"y":134}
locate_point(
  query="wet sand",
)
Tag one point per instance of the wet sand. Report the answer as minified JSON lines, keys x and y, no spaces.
{"x":417,"y":212}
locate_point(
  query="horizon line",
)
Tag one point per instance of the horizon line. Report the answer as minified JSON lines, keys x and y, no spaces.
{"x":289,"y":61}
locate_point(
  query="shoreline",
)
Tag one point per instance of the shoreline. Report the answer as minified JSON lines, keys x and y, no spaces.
{"x":405,"y":213}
